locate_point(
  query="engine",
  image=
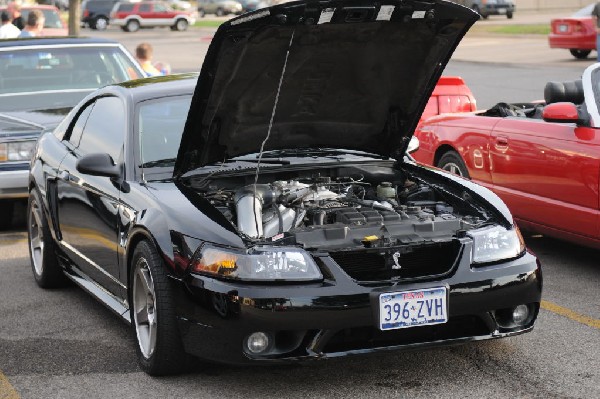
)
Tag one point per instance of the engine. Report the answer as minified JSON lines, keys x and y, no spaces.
{"x":342,"y":212}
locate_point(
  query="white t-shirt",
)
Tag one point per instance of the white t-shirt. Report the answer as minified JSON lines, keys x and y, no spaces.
{"x":9,"y":31}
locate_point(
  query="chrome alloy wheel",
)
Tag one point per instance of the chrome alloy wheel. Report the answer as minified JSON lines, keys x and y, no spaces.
{"x":36,"y":238}
{"x":453,"y":168}
{"x":144,"y":306}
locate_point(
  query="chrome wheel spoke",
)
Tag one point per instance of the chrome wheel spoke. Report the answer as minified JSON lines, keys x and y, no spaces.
{"x":144,"y":308}
{"x":36,"y":239}
{"x":142,"y":316}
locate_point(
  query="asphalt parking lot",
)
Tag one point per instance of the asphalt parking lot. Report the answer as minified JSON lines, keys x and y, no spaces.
{"x":63,"y":344}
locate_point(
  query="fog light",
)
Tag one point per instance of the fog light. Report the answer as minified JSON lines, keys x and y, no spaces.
{"x":257,"y":342}
{"x":520,"y":314}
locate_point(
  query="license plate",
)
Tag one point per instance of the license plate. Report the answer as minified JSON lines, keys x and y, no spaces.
{"x":413,"y":308}
{"x":502,"y":11}
{"x":563,"y":28}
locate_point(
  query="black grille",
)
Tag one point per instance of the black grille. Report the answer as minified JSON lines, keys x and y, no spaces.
{"x":371,"y":337}
{"x":415,"y":261}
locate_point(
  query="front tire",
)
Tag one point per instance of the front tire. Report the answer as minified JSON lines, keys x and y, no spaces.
{"x":580,"y":54}
{"x":509,"y":15}
{"x":478,"y":11}
{"x":220,"y":12}
{"x":46,"y":270}
{"x":159,"y":349}
{"x":453,"y":163}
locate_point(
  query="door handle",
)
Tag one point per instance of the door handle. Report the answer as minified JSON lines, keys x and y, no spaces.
{"x":502,"y":142}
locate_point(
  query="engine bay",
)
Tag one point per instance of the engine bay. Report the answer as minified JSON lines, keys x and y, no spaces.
{"x":341,"y":208}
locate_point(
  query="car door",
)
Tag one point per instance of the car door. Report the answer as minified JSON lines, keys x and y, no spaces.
{"x":145,"y":13}
{"x":547,"y":173}
{"x":162,"y":15}
{"x":88,"y":205}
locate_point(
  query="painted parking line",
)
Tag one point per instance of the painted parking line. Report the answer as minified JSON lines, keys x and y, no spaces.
{"x":570,"y":314}
{"x":6,"y":390}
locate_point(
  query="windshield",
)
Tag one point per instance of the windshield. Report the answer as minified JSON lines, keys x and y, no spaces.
{"x":160,"y":126}
{"x":28,"y":74}
{"x":584,"y":12}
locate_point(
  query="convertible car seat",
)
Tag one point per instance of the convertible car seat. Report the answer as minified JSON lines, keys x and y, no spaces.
{"x":571,"y":92}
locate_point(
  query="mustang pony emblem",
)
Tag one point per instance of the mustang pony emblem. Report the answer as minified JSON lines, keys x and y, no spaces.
{"x":395,"y":257}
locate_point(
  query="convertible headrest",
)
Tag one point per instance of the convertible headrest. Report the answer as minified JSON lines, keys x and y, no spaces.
{"x":571,"y":92}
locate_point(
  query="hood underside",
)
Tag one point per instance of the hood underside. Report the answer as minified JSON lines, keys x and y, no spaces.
{"x":349,"y":74}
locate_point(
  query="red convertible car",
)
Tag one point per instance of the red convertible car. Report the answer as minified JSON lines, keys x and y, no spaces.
{"x":542,"y":159}
{"x":576,"y":33}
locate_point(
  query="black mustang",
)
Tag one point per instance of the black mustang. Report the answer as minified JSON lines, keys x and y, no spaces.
{"x":280,"y":219}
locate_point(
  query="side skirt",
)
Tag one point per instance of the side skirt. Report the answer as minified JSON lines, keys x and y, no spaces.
{"x":121,"y":308}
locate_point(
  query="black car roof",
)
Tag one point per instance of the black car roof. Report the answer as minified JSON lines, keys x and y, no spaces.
{"x":160,"y":86}
{"x":42,"y":41}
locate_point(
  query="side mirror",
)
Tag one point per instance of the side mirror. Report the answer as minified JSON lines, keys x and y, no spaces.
{"x":98,"y":165}
{"x":563,"y":113}
{"x":413,"y":145}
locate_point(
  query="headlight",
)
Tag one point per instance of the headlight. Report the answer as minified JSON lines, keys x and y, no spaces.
{"x":258,"y":264}
{"x":494,"y":243}
{"x":17,"y":151}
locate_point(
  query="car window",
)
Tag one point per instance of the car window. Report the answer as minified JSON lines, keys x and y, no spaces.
{"x":160,"y":126}
{"x":77,"y":130}
{"x":126,"y":7}
{"x":105,"y":129}
{"x":144,"y":8}
{"x":160,"y":7}
{"x":49,"y":69}
{"x":51,"y":18}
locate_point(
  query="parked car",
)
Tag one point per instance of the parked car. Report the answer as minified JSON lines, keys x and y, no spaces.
{"x":485,"y":8}
{"x":451,"y":95}
{"x":40,"y":80}
{"x":96,"y":13}
{"x":577,"y":33}
{"x":219,"y":7}
{"x":60,"y":4}
{"x":53,"y":24}
{"x":281,"y":221}
{"x":149,"y":14}
{"x":180,"y":4}
{"x":252,"y":5}
{"x":541,"y":159}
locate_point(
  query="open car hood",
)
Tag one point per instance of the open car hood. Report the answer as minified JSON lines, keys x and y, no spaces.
{"x":352,"y":74}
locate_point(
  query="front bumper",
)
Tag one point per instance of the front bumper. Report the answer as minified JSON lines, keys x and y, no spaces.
{"x":340,"y":316}
{"x":13,"y":180}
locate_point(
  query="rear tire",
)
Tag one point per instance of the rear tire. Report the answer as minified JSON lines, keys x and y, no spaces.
{"x":159,"y":347}
{"x":580,"y":54}
{"x":46,"y":270}
{"x":181,"y":25}
{"x":201,"y":12}
{"x":220,"y":12}
{"x":132,"y":25}
{"x":452,"y":162}
{"x":100,"y":23}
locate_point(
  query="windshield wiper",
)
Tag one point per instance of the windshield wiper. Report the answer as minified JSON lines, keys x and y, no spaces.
{"x":159,"y":162}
